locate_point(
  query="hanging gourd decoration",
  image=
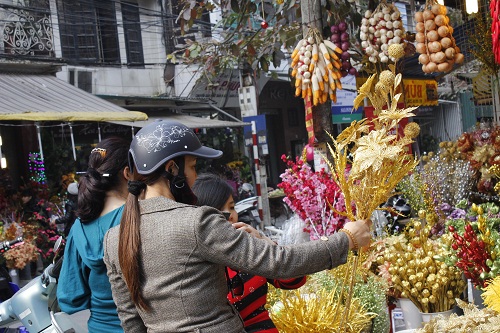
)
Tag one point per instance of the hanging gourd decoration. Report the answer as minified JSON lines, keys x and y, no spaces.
{"x":316,"y":67}
{"x":435,"y":42}
{"x":340,"y":37}
{"x":380,"y":29}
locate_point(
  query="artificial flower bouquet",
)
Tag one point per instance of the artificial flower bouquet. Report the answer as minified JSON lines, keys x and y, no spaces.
{"x":318,"y":306}
{"x":314,"y":197}
{"x":413,"y":261}
{"x":473,"y":240}
{"x":369,"y":157}
{"x":23,"y":253}
{"x":481,"y":147}
{"x":437,"y":186}
{"x":473,"y":319}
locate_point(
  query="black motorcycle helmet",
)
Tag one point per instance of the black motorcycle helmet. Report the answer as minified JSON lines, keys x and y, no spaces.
{"x":163,"y":140}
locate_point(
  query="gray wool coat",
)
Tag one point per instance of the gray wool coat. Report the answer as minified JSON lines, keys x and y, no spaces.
{"x":184,"y":252}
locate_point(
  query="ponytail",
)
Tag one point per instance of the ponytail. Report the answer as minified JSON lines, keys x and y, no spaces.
{"x":129,"y":247}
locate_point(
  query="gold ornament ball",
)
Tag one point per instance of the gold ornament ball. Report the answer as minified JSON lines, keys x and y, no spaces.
{"x":397,"y":51}
{"x":380,"y":87}
{"x":412,"y":130}
{"x":387,"y":78}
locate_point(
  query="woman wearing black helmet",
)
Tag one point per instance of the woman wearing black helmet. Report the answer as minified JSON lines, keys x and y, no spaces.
{"x":166,"y":259}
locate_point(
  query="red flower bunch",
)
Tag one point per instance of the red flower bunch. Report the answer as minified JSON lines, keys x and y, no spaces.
{"x":314,"y":197}
{"x":45,"y":240}
{"x":472,"y":254}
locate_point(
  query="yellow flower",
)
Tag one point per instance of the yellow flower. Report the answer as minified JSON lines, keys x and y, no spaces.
{"x":372,"y":150}
{"x":396,"y":115}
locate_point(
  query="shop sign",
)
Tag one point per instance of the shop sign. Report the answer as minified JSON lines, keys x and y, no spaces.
{"x":417,"y":92}
{"x":346,"y":118}
{"x":420,"y":92}
{"x":342,"y":110}
{"x":223,"y":89}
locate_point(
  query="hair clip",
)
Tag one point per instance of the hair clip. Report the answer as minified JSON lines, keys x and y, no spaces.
{"x":106,"y":175}
{"x":101,"y":151}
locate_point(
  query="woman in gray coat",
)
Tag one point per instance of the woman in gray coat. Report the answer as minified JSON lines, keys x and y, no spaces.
{"x":166,"y":259}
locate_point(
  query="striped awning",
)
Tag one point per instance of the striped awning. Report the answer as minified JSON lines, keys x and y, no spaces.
{"x":32,"y":97}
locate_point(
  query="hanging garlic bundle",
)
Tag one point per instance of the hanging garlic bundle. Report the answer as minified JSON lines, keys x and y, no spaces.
{"x":435,"y":43}
{"x":379,"y":30}
{"x":316,"y":67}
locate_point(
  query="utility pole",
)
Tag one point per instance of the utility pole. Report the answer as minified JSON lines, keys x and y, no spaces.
{"x":322,"y":119}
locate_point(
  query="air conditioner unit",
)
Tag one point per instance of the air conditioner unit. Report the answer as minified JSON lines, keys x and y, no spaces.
{"x":81,"y":79}
{"x":248,"y":101}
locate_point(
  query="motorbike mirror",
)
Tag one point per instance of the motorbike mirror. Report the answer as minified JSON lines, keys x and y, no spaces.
{"x":57,"y":244}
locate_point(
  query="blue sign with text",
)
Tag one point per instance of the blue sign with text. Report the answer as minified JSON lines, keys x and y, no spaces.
{"x":260,"y":126}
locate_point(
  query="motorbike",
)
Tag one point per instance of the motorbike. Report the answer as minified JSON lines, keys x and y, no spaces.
{"x":248,"y":211}
{"x":245,"y":191}
{"x":35,"y":305}
{"x":394,"y":210}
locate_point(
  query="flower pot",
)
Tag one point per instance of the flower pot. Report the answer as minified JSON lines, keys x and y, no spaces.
{"x":426,"y":317}
{"x":411,"y":314}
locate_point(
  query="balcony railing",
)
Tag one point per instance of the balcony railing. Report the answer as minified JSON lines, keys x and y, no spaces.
{"x":27,"y":33}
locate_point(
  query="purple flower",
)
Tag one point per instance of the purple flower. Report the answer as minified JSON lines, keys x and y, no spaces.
{"x":457,"y":213}
{"x":445,"y":207}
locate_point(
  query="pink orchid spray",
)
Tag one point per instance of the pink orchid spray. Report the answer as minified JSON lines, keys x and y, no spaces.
{"x":314,"y":197}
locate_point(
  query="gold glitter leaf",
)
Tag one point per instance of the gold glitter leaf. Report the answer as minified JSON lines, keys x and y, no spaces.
{"x":352,"y":133}
{"x":358,"y":101}
{"x":396,"y":114}
{"x":367,"y":86}
{"x":491,"y":295}
{"x":397,"y":80}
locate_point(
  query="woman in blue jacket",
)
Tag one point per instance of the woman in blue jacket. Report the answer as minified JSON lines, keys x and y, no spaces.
{"x":102,"y":192}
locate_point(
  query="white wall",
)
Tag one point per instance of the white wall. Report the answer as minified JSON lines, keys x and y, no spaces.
{"x":124,"y":81}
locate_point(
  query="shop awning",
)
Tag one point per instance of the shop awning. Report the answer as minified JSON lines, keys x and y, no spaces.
{"x":46,"y":98}
{"x":189,"y":121}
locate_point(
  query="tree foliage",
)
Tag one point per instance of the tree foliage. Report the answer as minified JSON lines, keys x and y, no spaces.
{"x":239,"y":38}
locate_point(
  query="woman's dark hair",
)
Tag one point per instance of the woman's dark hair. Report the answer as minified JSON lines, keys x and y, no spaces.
{"x":212,"y":190}
{"x":106,"y":163}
